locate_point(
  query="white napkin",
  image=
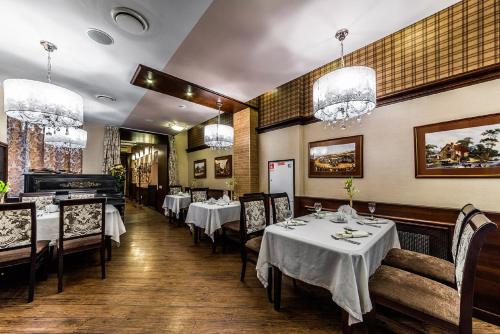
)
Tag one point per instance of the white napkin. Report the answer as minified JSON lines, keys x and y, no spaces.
{"x":51,"y":208}
{"x":352,"y":234}
{"x":226,"y":199}
{"x":211,"y":201}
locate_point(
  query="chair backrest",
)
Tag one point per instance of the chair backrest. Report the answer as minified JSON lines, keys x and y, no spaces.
{"x":199,"y":194}
{"x":280,"y":203}
{"x":174,"y":190}
{"x":81,"y":218}
{"x":254,"y":215}
{"x":346,"y":209}
{"x":81,"y":194}
{"x":41,"y":199}
{"x":463,"y":218}
{"x":471,"y":242}
{"x":18,"y":226}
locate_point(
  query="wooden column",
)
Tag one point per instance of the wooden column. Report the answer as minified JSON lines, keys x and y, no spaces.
{"x":245,"y":151}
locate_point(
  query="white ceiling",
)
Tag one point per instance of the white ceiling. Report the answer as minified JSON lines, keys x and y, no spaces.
{"x":240,"y":48}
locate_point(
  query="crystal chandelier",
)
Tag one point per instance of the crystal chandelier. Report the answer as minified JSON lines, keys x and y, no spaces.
{"x":346,"y":93}
{"x":43,"y":103}
{"x":67,"y":138}
{"x":219,"y":136}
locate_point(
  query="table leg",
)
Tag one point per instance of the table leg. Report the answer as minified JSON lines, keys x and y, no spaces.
{"x":169,"y":216}
{"x":346,"y":329}
{"x":195,"y":234}
{"x":108,"y":247}
{"x":277,"y":275}
{"x":214,"y":242}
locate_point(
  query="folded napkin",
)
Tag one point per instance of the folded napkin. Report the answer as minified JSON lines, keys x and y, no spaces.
{"x":226,"y":199}
{"x":211,"y":201}
{"x":352,"y":234}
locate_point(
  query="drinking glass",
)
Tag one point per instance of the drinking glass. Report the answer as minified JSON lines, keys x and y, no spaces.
{"x":317,"y":208}
{"x":371,"y":207}
{"x":288,"y":217}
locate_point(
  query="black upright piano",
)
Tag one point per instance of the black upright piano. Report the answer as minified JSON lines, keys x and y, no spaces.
{"x":62,"y":184}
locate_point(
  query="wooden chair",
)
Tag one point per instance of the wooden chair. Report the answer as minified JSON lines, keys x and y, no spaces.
{"x":429,"y":266}
{"x":174,"y":190}
{"x":82,"y":224}
{"x":41,"y":199}
{"x":280,"y":203}
{"x":81,"y":194}
{"x":18,"y":244}
{"x":254,"y":217}
{"x":434,"y":304}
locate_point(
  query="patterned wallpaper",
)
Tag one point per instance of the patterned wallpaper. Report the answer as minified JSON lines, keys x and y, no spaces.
{"x":459,"y":39}
{"x":195,"y":134}
{"x":27,"y":151}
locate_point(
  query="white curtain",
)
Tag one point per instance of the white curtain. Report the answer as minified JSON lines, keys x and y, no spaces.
{"x":111,"y":148}
{"x":173,"y":175}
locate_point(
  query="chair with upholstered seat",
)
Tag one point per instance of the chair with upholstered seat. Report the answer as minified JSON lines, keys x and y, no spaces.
{"x":18,"y":243}
{"x":280,"y":204}
{"x":82,"y":223}
{"x":41,"y":199}
{"x":254,"y":217}
{"x":427,"y":300}
{"x":429,"y":266}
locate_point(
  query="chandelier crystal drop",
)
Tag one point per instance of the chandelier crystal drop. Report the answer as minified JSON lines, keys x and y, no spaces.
{"x":219,"y":136}
{"x":346,"y":93}
{"x":43,"y":103}
{"x":66,"y":137}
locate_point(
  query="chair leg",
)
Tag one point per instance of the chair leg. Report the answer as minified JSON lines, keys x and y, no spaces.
{"x":224,"y":240}
{"x":270,"y":284}
{"x":60,"y":272}
{"x":243,"y":265}
{"x":214,"y":242}
{"x":277,"y":276}
{"x":31,"y":292}
{"x":103,"y":263}
{"x":109,"y":246}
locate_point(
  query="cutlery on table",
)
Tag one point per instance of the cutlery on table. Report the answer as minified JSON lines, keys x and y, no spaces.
{"x":350,"y":229}
{"x":361,"y":223}
{"x":346,"y":240}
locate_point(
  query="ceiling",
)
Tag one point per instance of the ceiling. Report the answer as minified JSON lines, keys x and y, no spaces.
{"x":235,"y":47}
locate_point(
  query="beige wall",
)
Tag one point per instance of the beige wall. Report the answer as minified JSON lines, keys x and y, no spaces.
{"x":94,"y":152}
{"x":388,"y":152}
{"x":186,"y":161}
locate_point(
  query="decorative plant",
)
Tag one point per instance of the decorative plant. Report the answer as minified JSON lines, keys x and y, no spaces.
{"x":351,"y":190}
{"x":194,"y":183}
{"x":231,"y":185}
{"x":118,"y":172}
{"x":4,"y":188}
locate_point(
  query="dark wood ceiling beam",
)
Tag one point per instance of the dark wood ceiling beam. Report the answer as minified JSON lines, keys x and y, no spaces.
{"x":149,"y":78}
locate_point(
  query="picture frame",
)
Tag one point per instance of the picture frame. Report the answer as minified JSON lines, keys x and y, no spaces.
{"x":200,"y":169}
{"x":463,"y":148}
{"x":223,"y":167}
{"x":337,"y":157}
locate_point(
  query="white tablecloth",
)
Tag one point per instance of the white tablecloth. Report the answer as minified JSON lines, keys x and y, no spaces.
{"x":176,"y":203}
{"x":211,"y":217}
{"x":47,"y":225}
{"x":309,"y":253}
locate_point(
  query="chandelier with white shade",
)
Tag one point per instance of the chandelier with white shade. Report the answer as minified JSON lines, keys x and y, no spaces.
{"x":346,"y":93}
{"x":43,"y":103}
{"x":67,"y":138}
{"x":219,"y":136}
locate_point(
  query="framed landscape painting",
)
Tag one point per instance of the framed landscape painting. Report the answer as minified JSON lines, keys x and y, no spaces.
{"x":467,"y":147}
{"x":340,"y":157}
{"x":200,"y":169}
{"x":223,"y":167}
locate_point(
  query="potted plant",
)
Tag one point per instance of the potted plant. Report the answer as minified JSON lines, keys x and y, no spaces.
{"x":118,"y":172}
{"x":350,"y":189}
{"x":4,"y":189}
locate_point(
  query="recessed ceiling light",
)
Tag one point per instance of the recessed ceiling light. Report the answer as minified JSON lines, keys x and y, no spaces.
{"x":105,"y":98}
{"x":100,"y":36}
{"x":177,"y":127}
{"x":129,"y":20}
{"x":182,"y":106}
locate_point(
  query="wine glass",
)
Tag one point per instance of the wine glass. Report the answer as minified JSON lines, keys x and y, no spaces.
{"x":317,"y":208}
{"x":371,"y":207}
{"x":288,"y":217}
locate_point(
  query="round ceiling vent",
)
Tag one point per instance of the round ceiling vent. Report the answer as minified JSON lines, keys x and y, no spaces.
{"x":100,"y":36}
{"x":105,"y":98}
{"x":129,"y":20}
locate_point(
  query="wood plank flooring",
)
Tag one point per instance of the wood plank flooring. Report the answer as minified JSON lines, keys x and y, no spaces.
{"x":159,"y":282}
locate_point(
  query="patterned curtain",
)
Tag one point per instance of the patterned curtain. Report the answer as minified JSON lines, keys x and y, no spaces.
{"x":111,"y":148}
{"x":27,"y":152}
{"x":173,"y":175}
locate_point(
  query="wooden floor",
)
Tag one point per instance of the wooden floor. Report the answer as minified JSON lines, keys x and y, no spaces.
{"x":159,"y":282}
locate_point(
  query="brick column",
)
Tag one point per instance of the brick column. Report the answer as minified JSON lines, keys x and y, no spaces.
{"x":246,"y":151}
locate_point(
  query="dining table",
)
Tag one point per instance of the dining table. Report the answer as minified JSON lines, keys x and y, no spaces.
{"x":175,"y":203}
{"x":311,"y":251}
{"x":210,"y":216}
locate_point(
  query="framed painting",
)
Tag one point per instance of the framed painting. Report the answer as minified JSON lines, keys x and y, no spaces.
{"x":339,"y":157}
{"x":200,"y":169}
{"x":467,"y":147}
{"x":223,"y":167}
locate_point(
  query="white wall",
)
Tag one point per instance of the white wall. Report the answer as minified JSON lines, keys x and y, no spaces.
{"x":3,"y":120}
{"x":93,"y":154}
{"x":389,"y":172}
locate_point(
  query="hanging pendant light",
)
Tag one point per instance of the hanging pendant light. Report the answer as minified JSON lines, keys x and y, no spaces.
{"x":66,"y":137}
{"x":43,"y":103}
{"x":219,"y":136}
{"x":346,"y":93}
